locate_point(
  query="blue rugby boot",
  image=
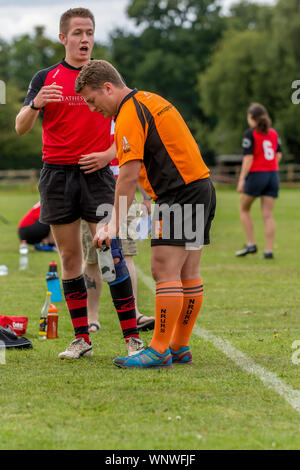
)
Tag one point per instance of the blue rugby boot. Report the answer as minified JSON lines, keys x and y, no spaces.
{"x":149,"y":358}
{"x":182,"y":356}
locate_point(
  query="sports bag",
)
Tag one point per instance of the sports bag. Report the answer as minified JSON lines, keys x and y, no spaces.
{"x":17,"y":324}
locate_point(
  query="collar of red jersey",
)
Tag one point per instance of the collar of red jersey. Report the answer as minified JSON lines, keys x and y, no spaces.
{"x":68,"y":66}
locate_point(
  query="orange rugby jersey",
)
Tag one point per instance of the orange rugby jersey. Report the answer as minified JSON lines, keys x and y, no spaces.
{"x":149,"y":128}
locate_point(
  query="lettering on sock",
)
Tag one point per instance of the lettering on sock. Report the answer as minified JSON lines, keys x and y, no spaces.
{"x":189,"y":311}
{"x":163,"y":318}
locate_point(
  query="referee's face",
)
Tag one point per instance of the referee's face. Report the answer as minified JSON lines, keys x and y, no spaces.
{"x":101,"y":100}
{"x":79,"y":40}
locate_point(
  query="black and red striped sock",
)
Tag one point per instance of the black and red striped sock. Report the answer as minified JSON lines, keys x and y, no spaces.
{"x":76,"y":298}
{"x":124,"y":302}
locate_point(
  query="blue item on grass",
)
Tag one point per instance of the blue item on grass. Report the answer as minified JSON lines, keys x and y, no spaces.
{"x":53,"y":284}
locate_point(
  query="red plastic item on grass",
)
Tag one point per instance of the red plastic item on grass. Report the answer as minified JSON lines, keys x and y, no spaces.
{"x":18,"y":324}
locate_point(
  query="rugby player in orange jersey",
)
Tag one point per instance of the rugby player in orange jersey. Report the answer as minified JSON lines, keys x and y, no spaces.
{"x":156,"y":149}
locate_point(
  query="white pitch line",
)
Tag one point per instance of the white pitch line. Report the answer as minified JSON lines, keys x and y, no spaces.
{"x":269,"y":379}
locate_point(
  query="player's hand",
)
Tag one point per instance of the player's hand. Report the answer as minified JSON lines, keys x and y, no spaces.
{"x":104,"y":234}
{"x":240,"y":186}
{"x":146,"y":207}
{"x":94,"y":161}
{"x":48,"y":94}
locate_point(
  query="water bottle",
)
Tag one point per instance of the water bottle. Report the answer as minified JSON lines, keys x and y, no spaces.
{"x":53,"y":284}
{"x":52,"y":322}
{"x":43,"y":318}
{"x":23,"y":250}
{"x":106,"y":264}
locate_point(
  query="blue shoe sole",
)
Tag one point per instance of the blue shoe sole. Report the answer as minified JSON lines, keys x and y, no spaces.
{"x":157,"y":366}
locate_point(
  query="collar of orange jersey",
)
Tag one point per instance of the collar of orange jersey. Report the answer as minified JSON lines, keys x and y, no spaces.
{"x":127,"y":97}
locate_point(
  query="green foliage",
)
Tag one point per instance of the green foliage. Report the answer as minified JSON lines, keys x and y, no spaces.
{"x":18,"y":152}
{"x":229,"y":83}
{"x":257,"y":64}
{"x":28,"y":54}
{"x":174,"y":46}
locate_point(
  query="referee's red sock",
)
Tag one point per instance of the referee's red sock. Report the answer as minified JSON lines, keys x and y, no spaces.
{"x":76,"y":298}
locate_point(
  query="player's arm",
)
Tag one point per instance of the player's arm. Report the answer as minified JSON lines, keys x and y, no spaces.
{"x":246,"y":165}
{"x":146,"y":200}
{"x":125,"y":188}
{"x":37,"y":96}
{"x":124,"y":195}
{"x":25,"y":120}
{"x":97,"y":160}
{"x":278,"y":151}
{"x":248,"y":149}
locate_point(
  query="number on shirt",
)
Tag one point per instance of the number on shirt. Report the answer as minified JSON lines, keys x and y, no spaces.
{"x":268,"y":150}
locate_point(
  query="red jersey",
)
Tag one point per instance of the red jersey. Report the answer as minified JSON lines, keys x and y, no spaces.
{"x":31,"y":216}
{"x":263,"y":147}
{"x":70,"y":129}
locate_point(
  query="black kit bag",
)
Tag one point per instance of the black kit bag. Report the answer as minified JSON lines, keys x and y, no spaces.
{"x":10,"y":340}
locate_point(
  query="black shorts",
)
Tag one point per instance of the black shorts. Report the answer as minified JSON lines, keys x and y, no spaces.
{"x":34,"y":233}
{"x":262,"y":183}
{"x":67,"y":193}
{"x":184,"y":218}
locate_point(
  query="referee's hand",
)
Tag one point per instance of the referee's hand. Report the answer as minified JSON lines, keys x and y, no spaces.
{"x":94,"y":161}
{"x":48,"y":94}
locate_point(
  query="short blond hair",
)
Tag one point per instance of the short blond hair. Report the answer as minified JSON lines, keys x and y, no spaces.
{"x":96,"y":73}
{"x":74,"y":13}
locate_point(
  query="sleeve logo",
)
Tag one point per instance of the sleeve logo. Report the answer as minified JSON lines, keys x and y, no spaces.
{"x":246,"y":143}
{"x":125,"y":145}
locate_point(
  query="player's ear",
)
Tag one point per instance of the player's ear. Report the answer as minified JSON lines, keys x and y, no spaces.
{"x":108,"y":87}
{"x":62,"y":38}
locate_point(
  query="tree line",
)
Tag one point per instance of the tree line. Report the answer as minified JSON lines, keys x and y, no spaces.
{"x":209,"y":64}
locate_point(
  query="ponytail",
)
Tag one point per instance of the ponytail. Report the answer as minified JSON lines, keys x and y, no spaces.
{"x":263,"y":124}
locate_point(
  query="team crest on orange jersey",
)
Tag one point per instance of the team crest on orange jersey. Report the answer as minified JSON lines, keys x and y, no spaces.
{"x":125,"y":145}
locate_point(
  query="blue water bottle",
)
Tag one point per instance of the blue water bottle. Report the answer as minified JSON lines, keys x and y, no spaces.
{"x":53,"y":284}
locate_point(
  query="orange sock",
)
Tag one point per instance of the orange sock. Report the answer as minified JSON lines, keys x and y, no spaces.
{"x":168,"y":305}
{"x":192,"y":302}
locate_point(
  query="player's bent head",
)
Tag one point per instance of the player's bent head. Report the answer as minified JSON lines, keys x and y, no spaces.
{"x":96,"y":73}
{"x":74,"y":13}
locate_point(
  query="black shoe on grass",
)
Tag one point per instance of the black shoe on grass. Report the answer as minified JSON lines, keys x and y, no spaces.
{"x":268,"y":255}
{"x":248,"y":249}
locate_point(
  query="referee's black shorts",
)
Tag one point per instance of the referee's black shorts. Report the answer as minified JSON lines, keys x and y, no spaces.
{"x":184,"y":217}
{"x":67,"y":193}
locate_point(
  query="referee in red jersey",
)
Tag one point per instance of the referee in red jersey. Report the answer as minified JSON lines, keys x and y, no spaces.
{"x":259,"y":177}
{"x":76,"y":178}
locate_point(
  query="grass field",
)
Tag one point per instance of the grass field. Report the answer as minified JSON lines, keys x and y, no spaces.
{"x":252,"y":303}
